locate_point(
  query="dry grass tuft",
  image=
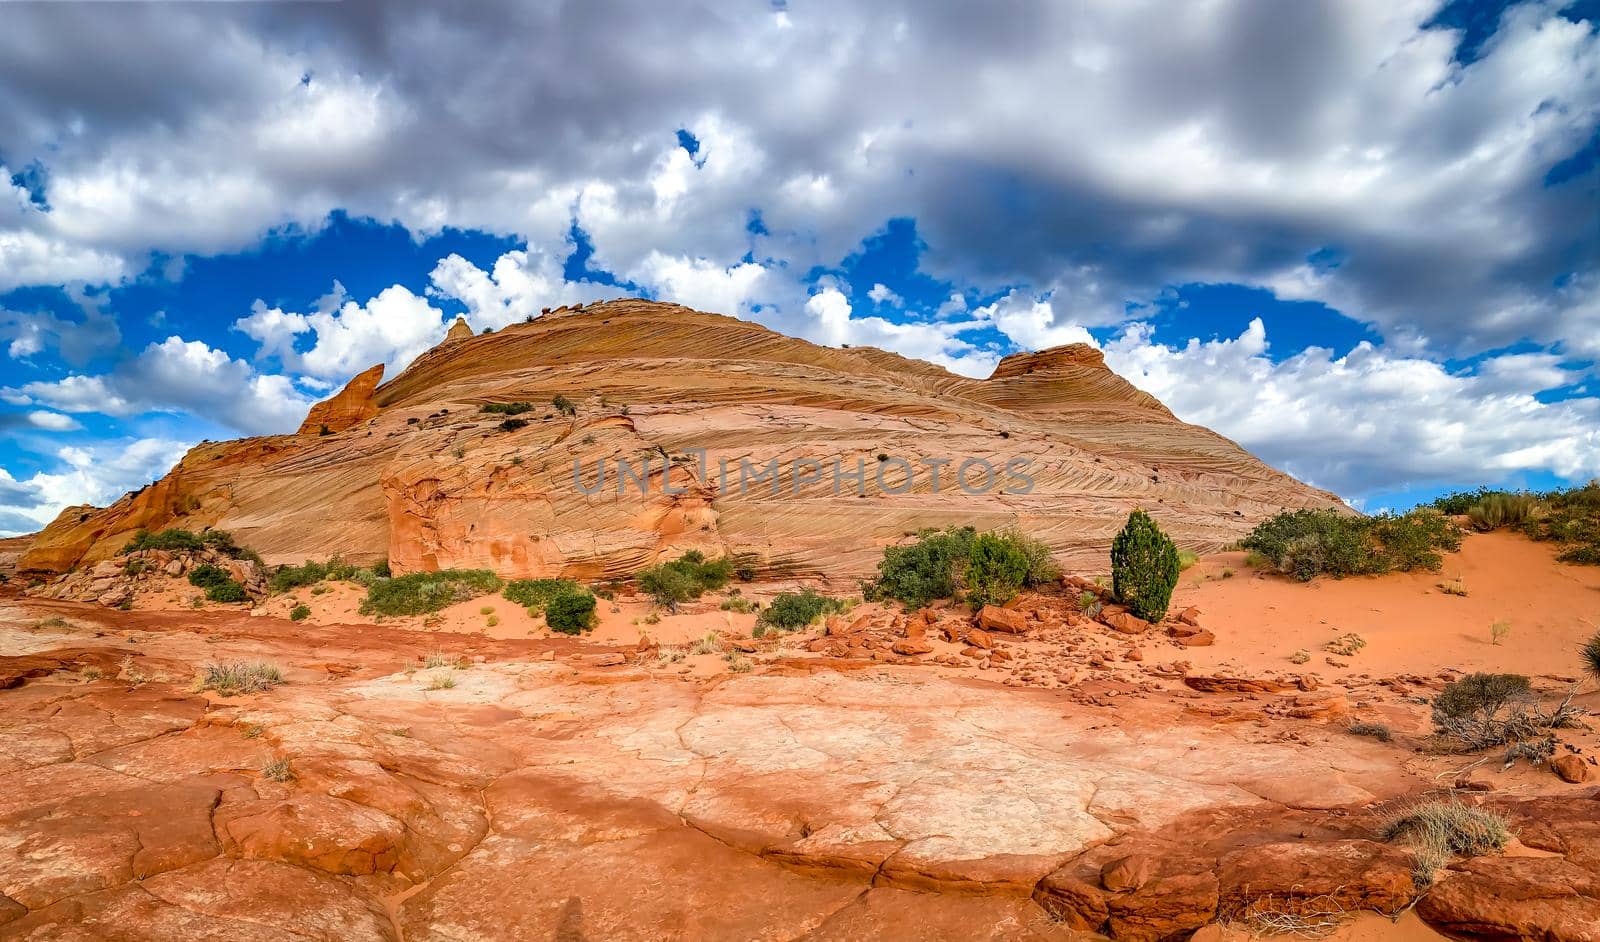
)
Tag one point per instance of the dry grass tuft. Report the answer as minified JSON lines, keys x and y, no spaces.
{"x":238,"y":677}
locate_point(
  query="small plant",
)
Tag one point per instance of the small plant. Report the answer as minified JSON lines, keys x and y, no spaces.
{"x":1589,"y":656}
{"x":1499,"y":632}
{"x":1377,"y":731}
{"x":238,"y":677}
{"x":669,"y":654}
{"x":278,"y":771}
{"x":1144,"y":567}
{"x":535,"y":594}
{"x":735,"y":603}
{"x":512,"y":425}
{"x":1348,"y":644}
{"x":442,"y":682}
{"x":252,"y":730}
{"x":738,"y":663}
{"x":684,"y":579}
{"x":486,"y":610}
{"x":707,"y":645}
{"x":792,"y":611}
{"x":1300,"y":657}
{"x":564,"y":405}
{"x":506,"y":408}
{"x":1227,"y":572}
{"x":130,"y":674}
{"x":439,"y":660}
{"x":1187,"y":560}
{"x":421,"y":593}
{"x":206,"y":575}
{"x":458,"y":452}
{"x":996,"y":569}
{"x":300,"y":612}
{"x":570,"y":614}
{"x":324,"y":430}
{"x":90,"y":674}
{"x":1440,"y":829}
{"x":133,"y":567}
{"x":229,"y":591}
{"x":1482,"y":710}
{"x":1456,"y":586}
{"x":492,"y":621}
{"x":1502,"y":509}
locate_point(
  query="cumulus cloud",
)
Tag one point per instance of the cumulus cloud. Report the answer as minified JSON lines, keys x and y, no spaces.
{"x":95,"y":475}
{"x":392,"y":328}
{"x":180,"y":376}
{"x":53,"y":421}
{"x":521,"y":284}
{"x":1418,"y":181}
{"x":1370,"y":419}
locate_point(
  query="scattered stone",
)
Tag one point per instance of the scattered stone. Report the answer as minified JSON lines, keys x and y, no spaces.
{"x":1125,"y":622}
{"x":1008,"y":621}
{"x":1570,"y":768}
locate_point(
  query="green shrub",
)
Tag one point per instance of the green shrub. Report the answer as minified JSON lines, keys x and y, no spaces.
{"x":506,"y":408}
{"x":535,"y":594}
{"x":1304,"y":544}
{"x":1502,"y":509}
{"x":684,"y":579}
{"x":564,"y":405}
{"x":1458,"y":503}
{"x":300,"y":613}
{"x":1187,"y":559}
{"x":940,"y":565}
{"x":228,"y":591}
{"x":222,"y":542}
{"x":1482,"y":710}
{"x":570,"y":614}
{"x":1144,"y":567}
{"x":996,"y":569}
{"x":288,"y":578}
{"x":205,"y":575}
{"x":423,"y":592}
{"x":1570,"y":517}
{"x":381,"y":569}
{"x":791,"y":611}
{"x":920,"y":572}
{"x":512,"y":425}
{"x":173,"y":539}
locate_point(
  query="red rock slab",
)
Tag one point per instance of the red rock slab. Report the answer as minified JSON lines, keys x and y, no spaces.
{"x":1543,"y":898}
{"x":1165,"y":907}
{"x":1223,"y":684}
{"x":72,"y":842}
{"x":672,"y":884}
{"x":888,"y":913}
{"x":219,"y":900}
{"x":1285,"y":877}
{"x":316,"y":831}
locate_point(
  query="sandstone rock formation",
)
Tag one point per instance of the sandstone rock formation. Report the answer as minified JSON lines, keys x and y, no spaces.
{"x":412,"y":470}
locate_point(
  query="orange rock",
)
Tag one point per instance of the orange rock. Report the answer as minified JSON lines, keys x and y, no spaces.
{"x":403,"y":493}
{"x":1570,"y":768}
{"x":1126,"y":622}
{"x":1127,"y":873}
{"x":349,"y":407}
{"x":1200,"y":638}
{"x":1009,"y":621}
{"x":910,"y":647}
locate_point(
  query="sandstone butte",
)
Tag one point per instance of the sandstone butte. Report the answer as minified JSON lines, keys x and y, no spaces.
{"x":412,"y":470}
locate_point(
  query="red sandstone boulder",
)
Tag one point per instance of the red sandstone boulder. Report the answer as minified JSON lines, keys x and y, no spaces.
{"x":1163,"y":908}
{"x":1354,"y":874}
{"x":1543,"y":898}
{"x":1127,"y":873}
{"x":1125,"y":622}
{"x":978,"y":638}
{"x":911,"y":647}
{"x":1006,"y":620}
{"x":1571,"y":768}
{"x":1071,"y":901}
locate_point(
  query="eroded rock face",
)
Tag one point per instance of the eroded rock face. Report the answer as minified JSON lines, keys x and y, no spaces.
{"x":412,"y":470}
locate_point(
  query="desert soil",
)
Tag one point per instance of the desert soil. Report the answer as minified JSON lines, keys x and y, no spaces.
{"x":816,"y":785}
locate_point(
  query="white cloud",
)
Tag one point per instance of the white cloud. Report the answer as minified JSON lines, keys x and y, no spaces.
{"x":180,"y":376}
{"x":392,"y":328}
{"x":1372,"y":418}
{"x":523,"y":283}
{"x":883,"y":294}
{"x":97,"y":475}
{"x":53,"y":421}
{"x":833,"y":324}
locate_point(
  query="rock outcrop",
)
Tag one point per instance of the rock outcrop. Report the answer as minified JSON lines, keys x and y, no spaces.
{"x":413,"y":470}
{"x":349,"y":407}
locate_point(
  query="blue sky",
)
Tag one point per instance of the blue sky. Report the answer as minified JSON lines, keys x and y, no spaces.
{"x":1361,"y":238}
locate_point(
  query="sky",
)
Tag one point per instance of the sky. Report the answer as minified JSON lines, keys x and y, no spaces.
{"x":1359,"y":237}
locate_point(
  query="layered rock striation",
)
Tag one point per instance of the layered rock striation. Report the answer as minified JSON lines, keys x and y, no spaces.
{"x":415,"y":471}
